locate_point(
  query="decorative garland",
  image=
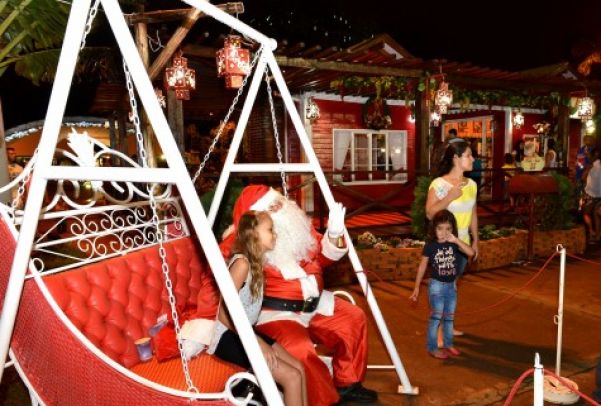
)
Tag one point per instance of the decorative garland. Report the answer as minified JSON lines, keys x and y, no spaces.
{"x":376,"y":114}
{"x":393,"y":87}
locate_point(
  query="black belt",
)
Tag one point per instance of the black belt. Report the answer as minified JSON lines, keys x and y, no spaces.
{"x":307,"y":306}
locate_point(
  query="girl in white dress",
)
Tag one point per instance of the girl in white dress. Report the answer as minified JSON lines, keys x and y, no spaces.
{"x":254,"y":237}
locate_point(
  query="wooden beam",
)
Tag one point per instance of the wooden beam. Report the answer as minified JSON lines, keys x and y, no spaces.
{"x":283,"y":61}
{"x":517,"y":85}
{"x":178,"y":36}
{"x":563,"y":131}
{"x":422,"y":130}
{"x":160,"y":16}
{"x":174,"y":42}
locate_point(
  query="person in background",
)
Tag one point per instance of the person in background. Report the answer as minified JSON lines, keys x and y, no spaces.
{"x":551,"y":155}
{"x":441,"y":252}
{"x":519,"y":153}
{"x":592,"y":197}
{"x":583,"y":158}
{"x":456,"y":193}
{"x":255,"y":236}
{"x":451,"y":134}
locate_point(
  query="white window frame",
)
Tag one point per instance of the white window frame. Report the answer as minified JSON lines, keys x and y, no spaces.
{"x":353,"y":132}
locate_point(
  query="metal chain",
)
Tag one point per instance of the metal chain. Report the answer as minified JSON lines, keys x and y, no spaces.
{"x":22,"y":185}
{"x":158,"y":232}
{"x":276,"y":135}
{"x":91,"y":16}
{"x":169,"y":286}
{"x":226,"y":119}
{"x":136,"y":118}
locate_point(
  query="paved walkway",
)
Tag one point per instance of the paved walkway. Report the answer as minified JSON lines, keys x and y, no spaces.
{"x":500,"y":342}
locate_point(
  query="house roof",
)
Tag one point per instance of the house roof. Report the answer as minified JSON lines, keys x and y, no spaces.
{"x":312,"y":68}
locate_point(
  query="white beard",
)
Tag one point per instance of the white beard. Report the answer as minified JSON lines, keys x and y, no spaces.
{"x":294,"y":238}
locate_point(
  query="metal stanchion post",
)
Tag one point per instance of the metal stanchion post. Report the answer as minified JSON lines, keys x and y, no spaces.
{"x":538,"y":381}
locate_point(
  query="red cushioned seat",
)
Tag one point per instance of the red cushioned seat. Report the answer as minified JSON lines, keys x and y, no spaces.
{"x":114,"y":302}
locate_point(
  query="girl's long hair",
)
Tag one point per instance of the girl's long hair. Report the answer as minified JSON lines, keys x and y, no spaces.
{"x":248,"y":244}
{"x":441,"y":217}
{"x":454,"y":146}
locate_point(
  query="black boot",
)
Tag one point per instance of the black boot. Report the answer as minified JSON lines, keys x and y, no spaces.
{"x":244,"y":387}
{"x":357,"y":393}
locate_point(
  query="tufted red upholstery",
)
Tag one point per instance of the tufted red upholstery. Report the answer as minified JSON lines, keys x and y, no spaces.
{"x":114,"y":302}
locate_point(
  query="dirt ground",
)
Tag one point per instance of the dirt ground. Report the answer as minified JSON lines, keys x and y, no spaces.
{"x":499,"y":342}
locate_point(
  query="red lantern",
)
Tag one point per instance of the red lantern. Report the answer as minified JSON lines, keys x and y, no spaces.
{"x":233,"y":62}
{"x":180,"y":78}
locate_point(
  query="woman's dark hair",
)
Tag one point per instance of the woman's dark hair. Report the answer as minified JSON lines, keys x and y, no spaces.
{"x":441,"y":217}
{"x":551,"y":144}
{"x":455,"y":146}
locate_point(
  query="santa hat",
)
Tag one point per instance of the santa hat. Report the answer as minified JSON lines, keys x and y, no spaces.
{"x":253,"y":197}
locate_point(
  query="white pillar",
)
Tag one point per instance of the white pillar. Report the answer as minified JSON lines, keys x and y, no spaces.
{"x":508,"y":130}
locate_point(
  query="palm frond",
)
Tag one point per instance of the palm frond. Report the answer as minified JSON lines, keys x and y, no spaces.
{"x":40,"y":66}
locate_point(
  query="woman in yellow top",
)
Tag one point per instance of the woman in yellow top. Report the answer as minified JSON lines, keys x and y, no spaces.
{"x":456,"y":193}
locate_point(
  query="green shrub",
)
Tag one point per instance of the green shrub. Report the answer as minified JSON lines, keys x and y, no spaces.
{"x":224,"y":216}
{"x":556,"y":212}
{"x":418,"y":207}
{"x":490,"y":231}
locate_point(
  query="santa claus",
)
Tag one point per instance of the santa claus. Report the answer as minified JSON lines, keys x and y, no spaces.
{"x":297,"y":312}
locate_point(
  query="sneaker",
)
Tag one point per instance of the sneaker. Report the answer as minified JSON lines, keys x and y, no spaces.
{"x":440,"y":354}
{"x":357,"y":393}
{"x":453,"y":351}
{"x":457,"y":333}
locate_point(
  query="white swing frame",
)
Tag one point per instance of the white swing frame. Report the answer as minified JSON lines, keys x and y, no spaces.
{"x":176,"y":173}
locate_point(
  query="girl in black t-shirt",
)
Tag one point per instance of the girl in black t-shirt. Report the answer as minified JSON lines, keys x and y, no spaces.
{"x":440,"y":253}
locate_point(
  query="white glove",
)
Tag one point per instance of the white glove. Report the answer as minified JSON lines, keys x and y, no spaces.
{"x":336,"y":220}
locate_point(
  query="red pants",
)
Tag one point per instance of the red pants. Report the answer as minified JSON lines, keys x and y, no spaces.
{"x":345,"y":333}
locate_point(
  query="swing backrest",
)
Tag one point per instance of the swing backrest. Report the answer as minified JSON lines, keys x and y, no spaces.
{"x":115,"y":302}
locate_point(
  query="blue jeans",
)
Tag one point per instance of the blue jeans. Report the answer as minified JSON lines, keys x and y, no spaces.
{"x":443,"y":300}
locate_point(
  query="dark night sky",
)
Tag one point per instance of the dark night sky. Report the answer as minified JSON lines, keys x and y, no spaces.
{"x":506,"y":34}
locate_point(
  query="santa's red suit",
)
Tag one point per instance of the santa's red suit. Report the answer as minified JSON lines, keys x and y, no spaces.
{"x":297,"y":312}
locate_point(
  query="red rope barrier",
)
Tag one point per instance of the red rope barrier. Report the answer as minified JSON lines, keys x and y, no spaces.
{"x":500,"y":302}
{"x":516,"y":386}
{"x":583,"y":259}
{"x":564,"y":382}
{"x":513,"y":294}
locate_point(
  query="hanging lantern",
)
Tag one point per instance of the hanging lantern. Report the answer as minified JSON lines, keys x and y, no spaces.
{"x":180,"y":78}
{"x":585,"y":108}
{"x":233,"y":62}
{"x":444,"y":97}
{"x":435,"y":118}
{"x":518,"y":119}
{"x":311,"y":110}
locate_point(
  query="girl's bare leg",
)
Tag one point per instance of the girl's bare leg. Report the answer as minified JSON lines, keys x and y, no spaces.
{"x":289,"y":359}
{"x":290,"y":379}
